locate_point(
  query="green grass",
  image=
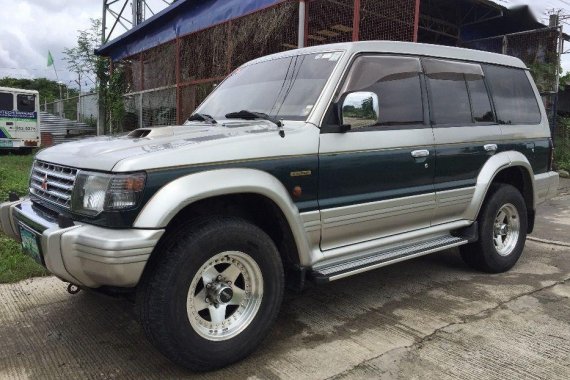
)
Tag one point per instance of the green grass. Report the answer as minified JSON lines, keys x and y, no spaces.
{"x":14,"y":265}
{"x":562,"y":156}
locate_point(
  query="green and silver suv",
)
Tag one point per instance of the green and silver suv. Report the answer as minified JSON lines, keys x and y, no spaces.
{"x":312,"y":164}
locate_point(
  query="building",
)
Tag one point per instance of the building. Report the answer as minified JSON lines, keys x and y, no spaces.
{"x":173,"y":60}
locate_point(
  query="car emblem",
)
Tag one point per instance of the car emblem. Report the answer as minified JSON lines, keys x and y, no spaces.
{"x":45,"y":183}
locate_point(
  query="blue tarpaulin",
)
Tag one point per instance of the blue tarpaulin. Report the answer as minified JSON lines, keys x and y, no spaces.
{"x":181,"y":18}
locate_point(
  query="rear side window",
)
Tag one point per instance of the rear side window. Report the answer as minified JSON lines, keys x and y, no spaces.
{"x":26,"y":103}
{"x":396,"y":81}
{"x":6,"y":101}
{"x":458,"y":95}
{"x":514,"y":99}
{"x":480,"y":102}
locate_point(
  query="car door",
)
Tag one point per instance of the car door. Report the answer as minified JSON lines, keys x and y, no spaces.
{"x":377,"y":180}
{"x":465,"y":129}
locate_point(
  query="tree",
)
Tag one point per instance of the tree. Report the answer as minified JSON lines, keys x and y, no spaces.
{"x":81,"y":59}
{"x":48,"y":89}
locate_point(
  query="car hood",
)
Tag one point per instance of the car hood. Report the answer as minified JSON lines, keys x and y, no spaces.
{"x":151,"y":148}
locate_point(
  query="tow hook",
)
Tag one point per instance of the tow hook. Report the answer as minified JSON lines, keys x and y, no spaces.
{"x":73,"y":289}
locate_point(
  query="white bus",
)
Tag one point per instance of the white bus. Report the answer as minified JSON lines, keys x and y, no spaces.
{"x":19,"y":119}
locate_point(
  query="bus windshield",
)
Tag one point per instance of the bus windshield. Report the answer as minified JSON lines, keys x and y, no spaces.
{"x":19,"y":119}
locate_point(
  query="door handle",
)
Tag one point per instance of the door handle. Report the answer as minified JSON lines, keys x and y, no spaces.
{"x":490,"y":147}
{"x":420,"y":153}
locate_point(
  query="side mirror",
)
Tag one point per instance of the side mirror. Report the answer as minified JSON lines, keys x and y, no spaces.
{"x":359,"y":109}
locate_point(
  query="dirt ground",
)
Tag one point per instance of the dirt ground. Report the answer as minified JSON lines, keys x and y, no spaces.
{"x":429,"y":318}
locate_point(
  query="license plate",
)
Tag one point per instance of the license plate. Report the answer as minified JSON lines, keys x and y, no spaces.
{"x":30,"y":244}
{"x":5,"y":144}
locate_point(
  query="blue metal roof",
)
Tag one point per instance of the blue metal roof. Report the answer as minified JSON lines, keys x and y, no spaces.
{"x":181,"y":18}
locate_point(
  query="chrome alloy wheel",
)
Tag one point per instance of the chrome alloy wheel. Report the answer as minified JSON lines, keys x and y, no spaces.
{"x":225,"y":295}
{"x":506,"y":229}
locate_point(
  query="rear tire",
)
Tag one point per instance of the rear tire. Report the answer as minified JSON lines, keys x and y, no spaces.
{"x":502,"y":232}
{"x":212,"y":293}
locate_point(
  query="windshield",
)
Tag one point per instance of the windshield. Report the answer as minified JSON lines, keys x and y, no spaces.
{"x":285,"y":88}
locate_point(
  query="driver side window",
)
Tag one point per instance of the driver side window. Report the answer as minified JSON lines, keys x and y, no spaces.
{"x":396,"y":82}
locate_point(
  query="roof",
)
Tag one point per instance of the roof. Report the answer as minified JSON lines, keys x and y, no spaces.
{"x":407,"y":48}
{"x":188,"y":16}
{"x":181,"y":18}
{"x":20,"y":90}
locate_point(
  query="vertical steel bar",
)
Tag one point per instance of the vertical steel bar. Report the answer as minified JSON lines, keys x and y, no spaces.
{"x":178,"y":89}
{"x":356,"y":21}
{"x":417,"y":21}
{"x":560,"y":47}
{"x":301,"y":26}
{"x":229,"y":48}
{"x":141,"y":60}
{"x":141,"y":55}
{"x":307,"y":5}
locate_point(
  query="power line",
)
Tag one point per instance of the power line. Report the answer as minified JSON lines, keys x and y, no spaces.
{"x":24,"y":68}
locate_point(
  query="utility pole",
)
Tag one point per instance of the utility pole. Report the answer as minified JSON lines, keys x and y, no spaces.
{"x":79,"y":98}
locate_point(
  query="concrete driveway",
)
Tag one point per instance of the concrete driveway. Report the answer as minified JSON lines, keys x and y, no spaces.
{"x":430,"y":318}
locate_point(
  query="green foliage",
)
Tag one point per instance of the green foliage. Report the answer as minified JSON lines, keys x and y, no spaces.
{"x":562,"y":143}
{"x":14,"y":173}
{"x":48,"y":89}
{"x":112,"y":86}
{"x":544,"y":75}
{"x":564,"y":81}
{"x":81,"y":58}
{"x":14,"y":265}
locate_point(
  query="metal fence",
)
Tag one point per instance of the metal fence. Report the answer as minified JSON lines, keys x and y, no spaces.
{"x":166,"y":83}
{"x":83,"y":108}
{"x":539,"y":49}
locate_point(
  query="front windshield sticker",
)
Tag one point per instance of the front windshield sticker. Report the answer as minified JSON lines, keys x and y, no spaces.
{"x":327,"y":55}
{"x":335,"y":57}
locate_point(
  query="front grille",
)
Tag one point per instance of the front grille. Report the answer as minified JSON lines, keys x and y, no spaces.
{"x":53,"y":183}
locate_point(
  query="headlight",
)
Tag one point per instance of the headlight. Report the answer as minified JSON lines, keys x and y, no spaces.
{"x":97,"y":192}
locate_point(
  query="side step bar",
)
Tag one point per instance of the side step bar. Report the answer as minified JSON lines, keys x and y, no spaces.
{"x":385,"y":257}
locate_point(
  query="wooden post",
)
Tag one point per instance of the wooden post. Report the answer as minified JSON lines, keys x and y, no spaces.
{"x":416,"y":21}
{"x":356,"y":21}
{"x":306,"y":35}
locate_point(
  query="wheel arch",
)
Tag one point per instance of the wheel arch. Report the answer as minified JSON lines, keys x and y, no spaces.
{"x":248,"y":193}
{"x":511,"y":168}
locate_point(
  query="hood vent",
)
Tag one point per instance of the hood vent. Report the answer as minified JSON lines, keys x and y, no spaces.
{"x":151,"y":132}
{"x":139,"y":133}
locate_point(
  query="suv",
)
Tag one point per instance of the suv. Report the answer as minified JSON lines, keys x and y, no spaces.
{"x":318,"y":163}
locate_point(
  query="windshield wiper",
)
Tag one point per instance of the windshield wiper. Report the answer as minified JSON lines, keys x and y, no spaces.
{"x":250,"y":115}
{"x":202,"y":117}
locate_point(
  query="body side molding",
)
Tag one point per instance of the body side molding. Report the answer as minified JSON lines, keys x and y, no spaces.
{"x":178,"y":194}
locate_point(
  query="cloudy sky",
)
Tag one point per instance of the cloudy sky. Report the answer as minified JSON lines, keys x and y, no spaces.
{"x":29,"y":28}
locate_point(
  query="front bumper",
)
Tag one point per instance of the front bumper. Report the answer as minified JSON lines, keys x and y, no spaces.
{"x":83,"y":254}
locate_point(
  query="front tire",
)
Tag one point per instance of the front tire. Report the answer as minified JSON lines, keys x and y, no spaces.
{"x":502,"y":232}
{"x":212,"y":294}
